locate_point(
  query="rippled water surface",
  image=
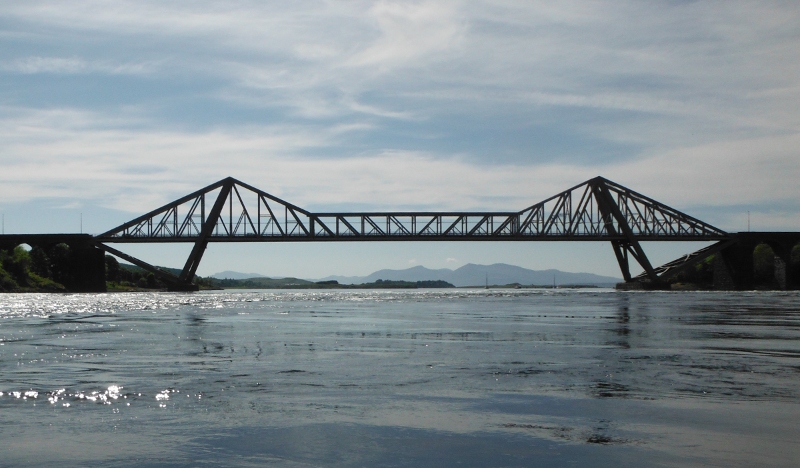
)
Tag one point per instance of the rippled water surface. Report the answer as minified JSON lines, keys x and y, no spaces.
{"x":400,"y":378}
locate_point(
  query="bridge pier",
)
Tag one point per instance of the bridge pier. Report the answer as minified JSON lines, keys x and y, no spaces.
{"x":734,"y":266}
{"x":74,"y":259}
{"x":88,"y":269}
{"x":784,"y":274}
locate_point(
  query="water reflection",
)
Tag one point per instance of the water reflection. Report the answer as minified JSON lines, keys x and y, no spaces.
{"x":609,"y":376}
{"x":623,"y":330}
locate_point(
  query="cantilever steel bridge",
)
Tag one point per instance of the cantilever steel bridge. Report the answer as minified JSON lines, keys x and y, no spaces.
{"x":596,"y":210}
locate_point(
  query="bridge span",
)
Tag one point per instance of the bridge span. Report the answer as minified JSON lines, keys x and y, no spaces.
{"x":596,"y":210}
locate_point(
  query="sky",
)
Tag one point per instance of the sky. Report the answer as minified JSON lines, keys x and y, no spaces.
{"x":111,"y":109}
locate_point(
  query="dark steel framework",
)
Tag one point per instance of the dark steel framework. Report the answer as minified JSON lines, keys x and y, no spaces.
{"x":596,"y":210}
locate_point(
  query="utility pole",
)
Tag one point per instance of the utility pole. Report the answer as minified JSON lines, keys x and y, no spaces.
{"x":81,"y":223}
{"x":748,"y":220}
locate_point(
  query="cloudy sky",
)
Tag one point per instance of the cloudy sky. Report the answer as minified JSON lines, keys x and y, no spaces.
{"x":110,"y":109}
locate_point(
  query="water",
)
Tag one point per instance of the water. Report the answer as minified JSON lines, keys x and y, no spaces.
{"x":400,"y":378}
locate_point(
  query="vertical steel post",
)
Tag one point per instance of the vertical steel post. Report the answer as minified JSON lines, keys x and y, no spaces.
{"x":608,"y":208}
{"x":189,"y":270}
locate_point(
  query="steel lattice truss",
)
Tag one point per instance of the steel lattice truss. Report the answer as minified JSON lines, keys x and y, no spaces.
{"x":232,"y":211}
{"x":595,"y":210}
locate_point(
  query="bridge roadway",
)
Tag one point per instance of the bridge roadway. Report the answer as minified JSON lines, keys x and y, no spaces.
{"x":596,"y":210}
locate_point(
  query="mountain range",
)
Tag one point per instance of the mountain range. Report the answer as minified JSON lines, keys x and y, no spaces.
{"x":235,"y":275}
{"x":468,"y":275}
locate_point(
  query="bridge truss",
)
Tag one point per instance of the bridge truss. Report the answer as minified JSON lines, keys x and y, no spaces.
{"x":596,"y":210}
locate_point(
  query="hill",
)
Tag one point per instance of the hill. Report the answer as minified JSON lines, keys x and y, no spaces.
{"x":227,"y":274}
{"x":294,"y":283}
{"x":477,"y":275}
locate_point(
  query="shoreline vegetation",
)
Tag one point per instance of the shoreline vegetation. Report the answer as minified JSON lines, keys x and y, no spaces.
{"x":294,"y":283}
{"x":39,"y":270}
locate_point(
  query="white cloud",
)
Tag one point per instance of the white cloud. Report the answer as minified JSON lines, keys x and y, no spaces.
{"x":410,"y":32}
{"x":742,"y":171}
{"x":702,"y":98}
{"x":698,"y":60}
{"x":74,"y":66}
{"x":47,"y":65}
{"x":140,"y":170}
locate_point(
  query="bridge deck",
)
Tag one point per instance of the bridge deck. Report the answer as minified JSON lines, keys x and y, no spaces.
{"x":408,"y":238}
{"x":45,"y":239}
{"x":597,"y":210}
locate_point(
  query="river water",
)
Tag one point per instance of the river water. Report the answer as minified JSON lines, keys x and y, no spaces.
{"x":400,"y":378}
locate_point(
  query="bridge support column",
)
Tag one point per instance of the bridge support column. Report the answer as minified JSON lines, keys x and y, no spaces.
{"x":723,"y":276}
{"x":791,"y":271}
{"x":781,"y":272}
{"x":622,"y":258}
{"x":629,"y":246}
{"x":87,"y":268}
{"x":733,"y":267}
{"x":784,"y":274}
{"x":187,"y":274}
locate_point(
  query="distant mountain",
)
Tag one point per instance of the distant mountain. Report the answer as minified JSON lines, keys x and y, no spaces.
{"x":227,"y":274}
{"x":417,"y":273}
{"x":477,"y":275}
{"x":295,"y":283}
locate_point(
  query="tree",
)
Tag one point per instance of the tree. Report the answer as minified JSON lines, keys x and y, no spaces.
{"x":112,"y":269}
{"x":151,"y":281}
{"x":763,"y":264}
{"x":7,"y":283}
{"x":60,"y":261}
{"x":16,"y":263}
{"x":40,"y":262}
